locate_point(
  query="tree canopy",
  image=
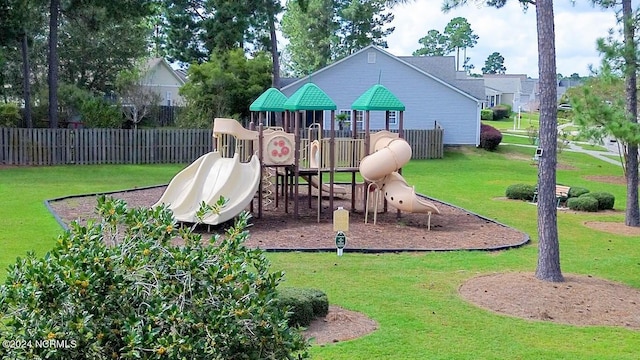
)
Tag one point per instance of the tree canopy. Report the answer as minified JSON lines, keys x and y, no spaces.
{"x":224,"y":86}
{"x":323,"y":31}
{"x":494,"y":64}
{"x":457,"y":36}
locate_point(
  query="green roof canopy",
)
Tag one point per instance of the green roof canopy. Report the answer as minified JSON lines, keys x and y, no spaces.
{"x":270,"y":100}
{"x":309,"y":97}
{"x":377,"y":97}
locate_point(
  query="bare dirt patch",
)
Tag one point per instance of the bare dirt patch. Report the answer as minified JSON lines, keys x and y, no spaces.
{"x":579,"y":300}
{"x":339,"y":325}
{"x":609,"y":179}
{"x":616,"y":228}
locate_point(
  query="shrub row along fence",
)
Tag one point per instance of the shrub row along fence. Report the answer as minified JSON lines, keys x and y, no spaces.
{"x":147,"y":146}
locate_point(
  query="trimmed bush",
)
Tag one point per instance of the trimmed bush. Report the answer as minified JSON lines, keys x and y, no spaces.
{"x":585,"y":202}
{"x":577,"y":191}
{"x":520,"y":192}
{"x":319,"y":301}
{"x":303,"y":305}
{"x":118,"y":288}
{"x":605,"y":200}
{"x":501,"y":112}
{"x":490,"y":137}
{"x":486,"y":114}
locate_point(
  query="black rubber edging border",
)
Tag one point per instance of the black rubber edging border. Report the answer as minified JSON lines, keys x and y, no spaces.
{"x":525,"y":238}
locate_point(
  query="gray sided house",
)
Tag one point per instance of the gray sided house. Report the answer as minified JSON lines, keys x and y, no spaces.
{"x":432,"y":98}
{"x":160,"y":78}
{"x":513,"y":89}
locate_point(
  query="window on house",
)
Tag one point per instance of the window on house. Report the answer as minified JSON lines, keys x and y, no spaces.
{"x":371,"y":57}
{"x":168,"y":98}
{"x":346,"y":122}
{"x":393,"y":118}
{"x":359,"y":120}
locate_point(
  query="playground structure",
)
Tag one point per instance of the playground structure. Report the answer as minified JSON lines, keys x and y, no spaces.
{"x":245,"y":162}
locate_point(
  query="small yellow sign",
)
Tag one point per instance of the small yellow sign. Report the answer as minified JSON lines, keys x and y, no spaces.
{"x":341,"y":220}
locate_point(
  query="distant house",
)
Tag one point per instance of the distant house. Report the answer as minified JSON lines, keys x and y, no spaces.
{"x":504,"y":89}
{"x":163,"y":80}
{"x":516,"y":90}
{"x":430,"y":88}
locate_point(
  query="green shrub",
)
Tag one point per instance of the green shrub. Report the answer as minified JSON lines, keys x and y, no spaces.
{"x":98,"y":113}
{"x":520,"y":192}
{"x":605,"y":200}
{"x":10,"y":115}
{"x":486,"y":114}
{"x":119,"y":288}
{"x":490,"y":137}
{"x":576,"y":191}
{"x":299,"y":307}
{"x":304,"y":305}
{"x":501,"y":112}
{"x":585,"y":202}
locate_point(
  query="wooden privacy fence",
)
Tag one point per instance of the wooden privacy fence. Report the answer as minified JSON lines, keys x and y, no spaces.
{"x":147,"y":146}
{"x":102,"y":146}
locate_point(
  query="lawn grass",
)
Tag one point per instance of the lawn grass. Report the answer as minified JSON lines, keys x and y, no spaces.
{"x":27,"y":223}
{"x":520,"y":139}
{"x":592,"y":147}
{"x":412,"y":296}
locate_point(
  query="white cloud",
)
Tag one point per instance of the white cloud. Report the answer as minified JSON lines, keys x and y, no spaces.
{"x":509,"y":31}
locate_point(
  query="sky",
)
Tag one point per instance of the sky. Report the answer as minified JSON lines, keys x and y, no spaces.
{"x":509,"y":31}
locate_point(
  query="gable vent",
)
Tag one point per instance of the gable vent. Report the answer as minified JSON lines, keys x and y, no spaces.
{"x":371,"y":57}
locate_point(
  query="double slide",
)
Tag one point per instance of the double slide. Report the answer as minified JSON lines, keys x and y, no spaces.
{"x":390,"y":153}
{"x":210,"y":177}
{"x":206,"y":180}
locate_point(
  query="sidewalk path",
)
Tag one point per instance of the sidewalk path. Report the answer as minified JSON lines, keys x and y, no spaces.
{"x":573,"y":146}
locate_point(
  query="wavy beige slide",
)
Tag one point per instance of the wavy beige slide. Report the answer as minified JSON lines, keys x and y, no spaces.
{"x":208,"y":178}
{"x":381,"y":167}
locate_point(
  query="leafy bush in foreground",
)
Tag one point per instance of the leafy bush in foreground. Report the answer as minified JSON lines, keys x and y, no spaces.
{"x":520,"y":192}
{"x":118,"y":288}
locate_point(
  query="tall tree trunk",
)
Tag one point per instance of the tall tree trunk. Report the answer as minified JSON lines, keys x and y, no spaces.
{"x":548,"y":268}
{"x":275,"y":57}
{"x":53,"y":63}
{"x":632,"y":213}
{"x":25,"y":81}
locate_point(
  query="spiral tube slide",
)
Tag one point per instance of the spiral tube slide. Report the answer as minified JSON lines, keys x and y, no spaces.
{"x":381,"y":168}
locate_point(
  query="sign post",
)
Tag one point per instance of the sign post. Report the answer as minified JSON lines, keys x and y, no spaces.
{"x":341,"y":225}
{"x":341,"y":242}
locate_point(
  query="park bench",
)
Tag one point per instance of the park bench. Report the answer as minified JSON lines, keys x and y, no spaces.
{"x":562,"y":193}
